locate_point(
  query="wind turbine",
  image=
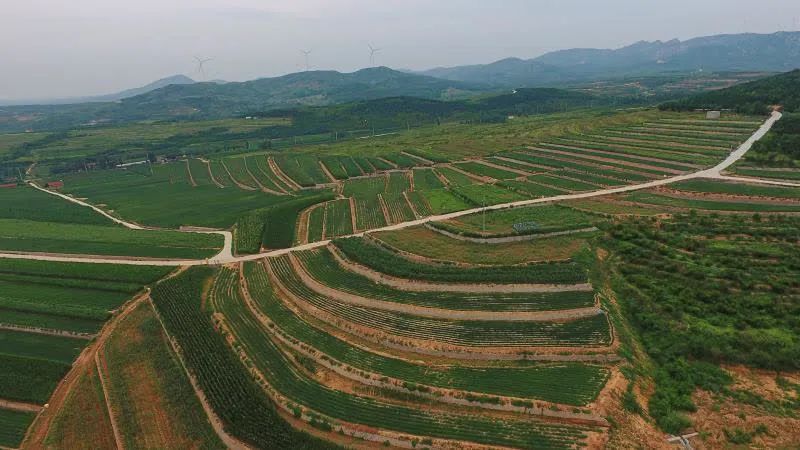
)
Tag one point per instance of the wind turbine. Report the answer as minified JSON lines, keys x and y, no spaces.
{"x":200,"y":62}
{"x":306,"y":53}
{"x":372,"y":51}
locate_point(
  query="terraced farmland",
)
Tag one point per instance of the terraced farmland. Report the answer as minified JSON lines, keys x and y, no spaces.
{"x":511,"y":327}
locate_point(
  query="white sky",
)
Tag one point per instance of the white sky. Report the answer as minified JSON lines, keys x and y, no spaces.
{"x":58,"y":48}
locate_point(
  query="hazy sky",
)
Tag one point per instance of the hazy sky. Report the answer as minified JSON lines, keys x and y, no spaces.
{"x":54,"y":48}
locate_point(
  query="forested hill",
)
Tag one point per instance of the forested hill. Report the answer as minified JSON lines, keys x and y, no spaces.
{"x":776,"y":52}
{"x":212,"y":100}
{"x":755,"y":97}
{"x":399,"y":112}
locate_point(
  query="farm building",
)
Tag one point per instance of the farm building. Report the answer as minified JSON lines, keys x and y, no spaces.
{"x":713,"y":115}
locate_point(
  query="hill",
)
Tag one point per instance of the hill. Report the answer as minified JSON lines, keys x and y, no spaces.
{"x":754,"y":97}
{"x":174,"y":79}
{"x":777,"y":52}
{"x":212,"y":100}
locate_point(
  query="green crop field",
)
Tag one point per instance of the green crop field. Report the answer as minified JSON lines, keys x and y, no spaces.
{"x":67,"y":296}
{"x":165,"y":197}
{"x":258,"y":166}
{"x":238,"y":170}
{"x":365,"y":187}
{"x":426,"y":180}
{"x":442,"y":201}
{"x":434,"y":245}
{"x":398,"y":182}
{"x":244,"y":409}
{"x":384,"y":260}
{"x":537,"y":219}
{"x":563,"y":183}
{"x":743,"y":205}
{"x":369,"y":213}
{"x":723,"y":187}
{"x":486,"y":171}
{"x":581,"y":332}
{"x":486,"y":194}
{"x":454,"y":177}
{"x":323,"y":267}
{"x":303,"y":169}
{"x":49,"y":237}
{"x":419,"y":203}
{"x":335,"y":167}
{"x":26,"y":203}
{"x":13,"y":425}
{"x":276,"y":366}
{"x":199,"y":172}
{"x":398,"y":208}
{"x":402,"y":161}
{"x":148,"y":387}
{"x":316,"y":223}
{"x":338,"y":219}
{"x":517,"y":380}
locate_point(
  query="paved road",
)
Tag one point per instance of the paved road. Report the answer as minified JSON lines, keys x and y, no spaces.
{"x":226,"y":255}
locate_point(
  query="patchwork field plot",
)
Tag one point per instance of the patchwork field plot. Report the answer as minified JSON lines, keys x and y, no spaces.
{"x":384,"y":260}
{"x":334,"y":405}
{"x":338,"y":218}
{"x":49,"y":311}
{"x":592,"y":331}
{"x":536,"y":219}
{"x":426,"y":243}
{"x":165,"y":197}
{"x":324,"y":268}
{"x":512,"y":327}
{"x":13,"y":425}
{"x":153,"y":402}
{"x":520,"y":380}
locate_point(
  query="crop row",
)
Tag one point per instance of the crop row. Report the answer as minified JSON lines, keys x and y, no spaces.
{"x":588,"y":331}
{"x":13,"y":425}
{"x":384,"y":260}
{"x":199,"y":172}
{"x":589,"y":150}
{"x":243,"y":408}
{"x":537,"y":219}
{"x":303,"y":169}
{"x":238,"y":170}
{"x":338,"y":219}
{"x":259,"y":167}
{"x":399,"y":210}
{"x":324,"y":268}
{"x":575,"y":384}
{"x":369,"y":213}
{"x":656,"y":148}
{"x":745,"y":205}
{"x":486,"y":171}
{"x":542,"y":160}
{"x":419,"y":203}
{"x":279,"y":371}
{"x":274,"y":226}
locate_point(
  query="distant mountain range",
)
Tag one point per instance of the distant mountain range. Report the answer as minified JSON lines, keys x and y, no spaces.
{"x":175,"y":79}
{"x":777,"y":52}
{"x":180,"y":97}
{"x":216,"y":100}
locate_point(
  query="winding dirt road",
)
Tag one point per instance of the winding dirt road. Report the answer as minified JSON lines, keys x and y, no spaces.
{"x":226,"y":255}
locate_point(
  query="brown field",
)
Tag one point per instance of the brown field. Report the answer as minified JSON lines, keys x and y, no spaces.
{"x":83,"y":421}
{"x":154,"y":406}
